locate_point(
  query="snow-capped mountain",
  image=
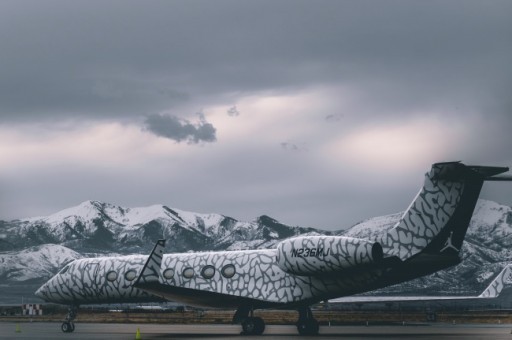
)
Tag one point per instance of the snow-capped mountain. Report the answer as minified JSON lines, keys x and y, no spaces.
{"x":101,"y":227}
{"x":33,"y":249}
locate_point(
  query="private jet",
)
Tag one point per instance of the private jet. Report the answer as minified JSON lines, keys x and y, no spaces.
{"x":299,"y":272}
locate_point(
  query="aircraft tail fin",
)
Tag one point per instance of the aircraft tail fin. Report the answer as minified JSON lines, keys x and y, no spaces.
{"x":494,"y":289}
{"x":437,"y":220}
{"x":151,"y":270}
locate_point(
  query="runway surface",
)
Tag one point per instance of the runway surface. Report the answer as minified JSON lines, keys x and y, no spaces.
{"x":47,"y":330}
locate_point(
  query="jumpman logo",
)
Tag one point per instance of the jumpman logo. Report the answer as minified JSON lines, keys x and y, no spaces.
{"x":449,"y":244}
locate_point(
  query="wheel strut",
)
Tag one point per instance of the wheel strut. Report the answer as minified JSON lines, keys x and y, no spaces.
{"x":307,"y":324}
{"x":251,"y":325}
{"x":68,"y":326}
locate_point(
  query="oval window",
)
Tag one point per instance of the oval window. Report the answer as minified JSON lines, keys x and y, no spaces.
{"x":228,"y":271}
{"x":169,"y":273}
{"x":111,"y":275}
{"x":130,"y":275}
{"x":208,"y":272}
{"x":188,"y":273}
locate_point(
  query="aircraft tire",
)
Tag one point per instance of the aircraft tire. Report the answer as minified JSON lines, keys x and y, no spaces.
{"x":308,"y":327}
{"x":253,"y":326}
{"x":67,"y":327}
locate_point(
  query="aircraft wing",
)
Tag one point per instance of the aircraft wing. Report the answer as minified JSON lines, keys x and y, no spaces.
{"x":492,"y":291}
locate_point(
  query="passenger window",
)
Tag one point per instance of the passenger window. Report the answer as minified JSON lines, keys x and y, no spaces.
{"x":111,"y":276}
{"x":228,"y":271}
{"x":208,"y":272}
{"x":168,"y":273}
{"x":188,"y":273}
{"x":130,"y":275}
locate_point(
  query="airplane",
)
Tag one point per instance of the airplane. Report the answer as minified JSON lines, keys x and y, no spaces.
{"x":492,"y":291}
{"x":299,"y":272}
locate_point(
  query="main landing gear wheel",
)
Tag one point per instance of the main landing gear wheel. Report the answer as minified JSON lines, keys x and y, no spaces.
{"x":307,"y":324}
{"x":67,"y":327}
{"x":308,"y":327}
{"x":253,"y":326}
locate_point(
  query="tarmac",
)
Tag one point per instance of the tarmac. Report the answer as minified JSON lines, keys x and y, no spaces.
{"x":51,"y":330}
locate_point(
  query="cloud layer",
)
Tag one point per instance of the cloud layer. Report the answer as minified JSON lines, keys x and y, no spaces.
{"x":100,"y":97}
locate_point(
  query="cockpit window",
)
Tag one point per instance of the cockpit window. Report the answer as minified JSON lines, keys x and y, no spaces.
{"x":64,"y":270}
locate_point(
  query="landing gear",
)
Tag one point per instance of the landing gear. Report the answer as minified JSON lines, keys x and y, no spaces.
{"x":68,"y":326}
{"x":307,"y":324}
{"x":251,"y":325}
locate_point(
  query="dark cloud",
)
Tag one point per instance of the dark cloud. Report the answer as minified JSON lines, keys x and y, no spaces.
{"x":130,"y":57}
{"x":293,"y":147}
{"x":334,"y":117}
{"x":233,"y":111}
{"x":181,"y":130}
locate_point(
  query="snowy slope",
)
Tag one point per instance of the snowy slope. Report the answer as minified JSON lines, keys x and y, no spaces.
{"x":35,"y":262}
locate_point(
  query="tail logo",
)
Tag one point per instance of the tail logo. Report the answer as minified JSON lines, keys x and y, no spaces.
{"x":448,"y":244}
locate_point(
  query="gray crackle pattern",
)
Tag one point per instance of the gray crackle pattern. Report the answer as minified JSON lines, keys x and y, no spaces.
{"x":86,"y":281}
{"x":426,"y":216}
{"x":257,"y":276}
{"x":262,"y":274}
{"x":151,"y":271}
{"x":323,"y":254}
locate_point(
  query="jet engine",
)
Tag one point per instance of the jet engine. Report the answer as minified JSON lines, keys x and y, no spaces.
{"x":311,"y":255}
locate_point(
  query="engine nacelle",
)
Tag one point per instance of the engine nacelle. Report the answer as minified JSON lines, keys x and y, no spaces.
{"x":310,"y":255}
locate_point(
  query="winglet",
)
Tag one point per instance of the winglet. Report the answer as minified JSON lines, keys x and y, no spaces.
{"x":494,"y":289}
{"x":151,"y":271}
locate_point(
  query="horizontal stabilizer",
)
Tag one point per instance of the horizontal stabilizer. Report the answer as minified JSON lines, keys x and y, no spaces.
{"x":488,"y":171}
{"x":454,"y":171}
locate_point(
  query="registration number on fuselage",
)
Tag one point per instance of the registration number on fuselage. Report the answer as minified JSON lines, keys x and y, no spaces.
{"x":310,"y":252}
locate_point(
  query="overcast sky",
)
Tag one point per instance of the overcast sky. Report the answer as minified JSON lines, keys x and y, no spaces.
{"x":317,"y":113}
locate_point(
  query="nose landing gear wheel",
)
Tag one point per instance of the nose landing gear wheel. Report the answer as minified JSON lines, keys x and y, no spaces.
{"x":67,"y":327}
